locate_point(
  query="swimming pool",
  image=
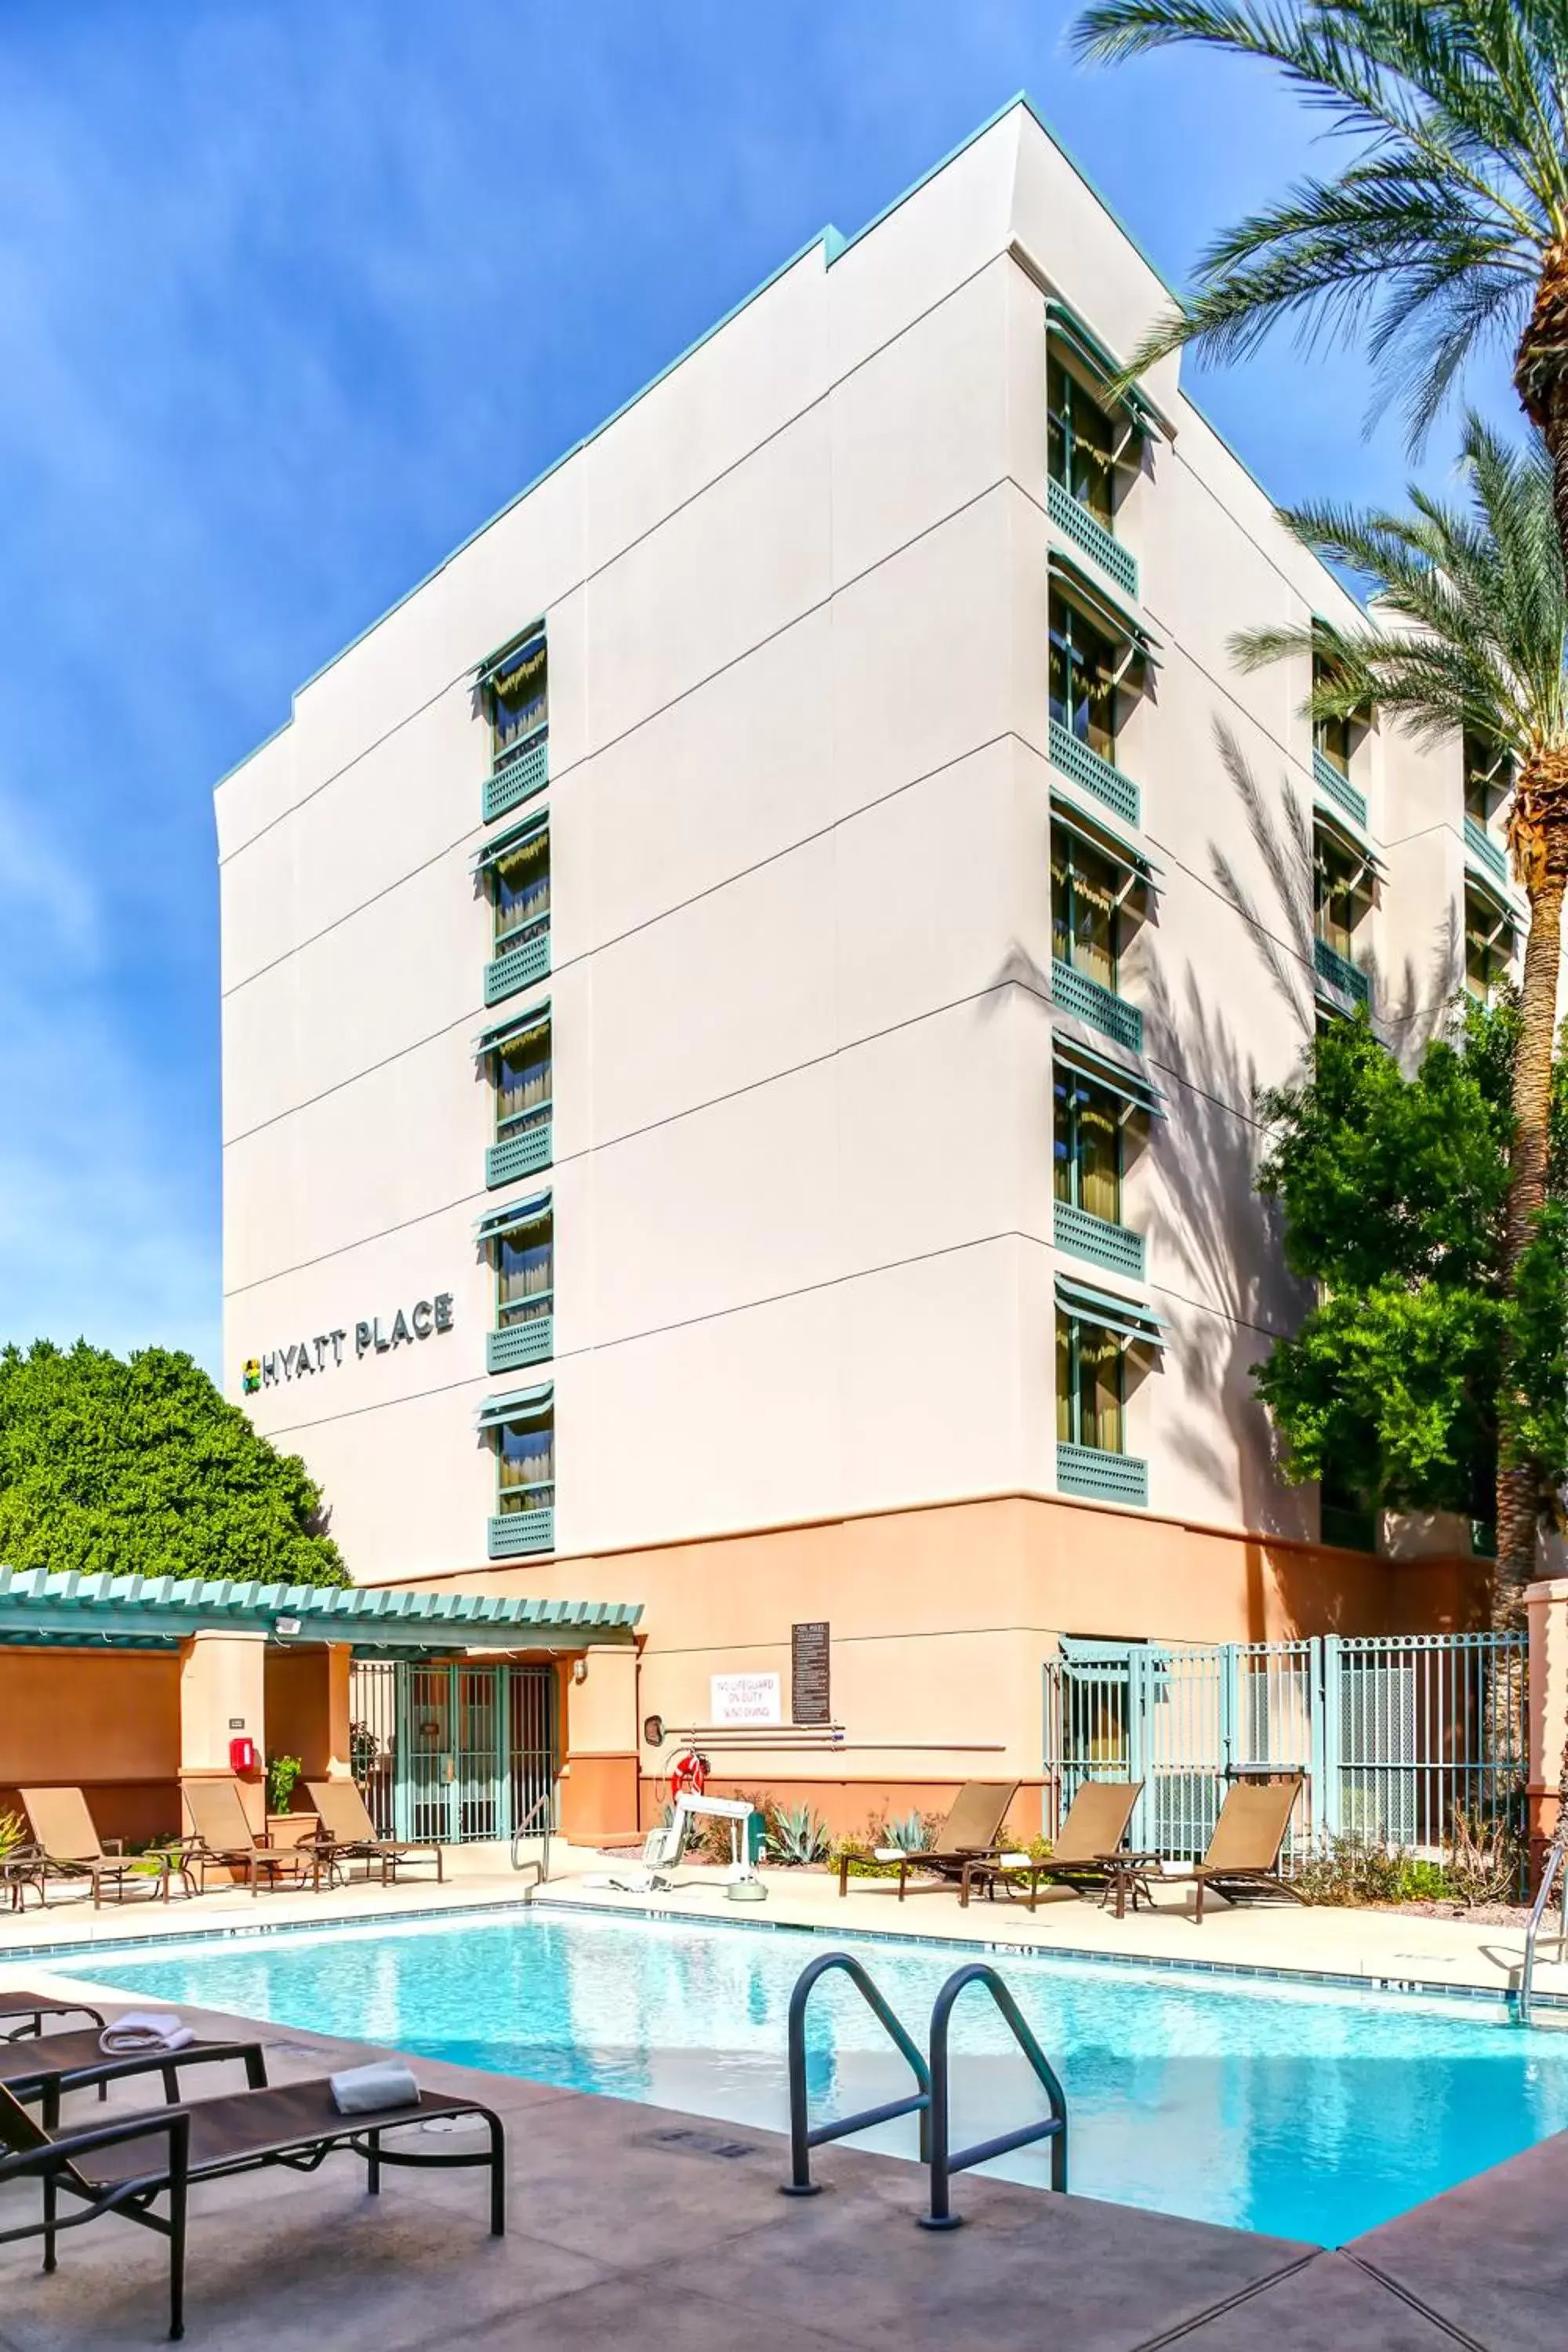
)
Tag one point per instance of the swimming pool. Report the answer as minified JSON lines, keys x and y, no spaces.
{"x":1304,"y":2111}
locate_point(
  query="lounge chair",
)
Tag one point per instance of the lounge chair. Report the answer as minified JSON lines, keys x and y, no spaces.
{"x":1242,"y":1858}
{"x":1083,"y":1857}
{"x":126,"y":2167}
{"x":68,"y":1846}
{"x":31,"y":2009}
{"x":223,"y":1837}
{"x":46,"y":2065}
{"x":351,"y":1835}
{"x":969,"y":1835}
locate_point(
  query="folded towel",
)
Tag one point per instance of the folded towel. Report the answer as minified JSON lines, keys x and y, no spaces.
{"x":360,"y":2090}
{"x":888,"y":1852}
{"x":153,"y":2030}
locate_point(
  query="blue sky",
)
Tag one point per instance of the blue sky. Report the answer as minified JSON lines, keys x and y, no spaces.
{"x":293,"y":296}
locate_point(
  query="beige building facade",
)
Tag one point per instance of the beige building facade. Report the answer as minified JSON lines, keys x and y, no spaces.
{"x":743,"y":1002}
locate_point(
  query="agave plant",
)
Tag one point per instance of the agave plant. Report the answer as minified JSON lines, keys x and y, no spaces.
{"x":908,"y":1834}
{"x":797,"y":1835}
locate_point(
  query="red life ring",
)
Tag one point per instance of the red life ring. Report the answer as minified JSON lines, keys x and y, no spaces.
{"x":689,"y":1774}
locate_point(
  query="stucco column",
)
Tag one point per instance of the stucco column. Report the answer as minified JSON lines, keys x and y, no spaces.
{"x":222,"y":1697}
{"x":1546,"y":1608}
{"x":599,"y":1781}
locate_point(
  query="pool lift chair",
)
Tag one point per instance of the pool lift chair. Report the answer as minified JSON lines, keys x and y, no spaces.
{"x":663,"y":1847}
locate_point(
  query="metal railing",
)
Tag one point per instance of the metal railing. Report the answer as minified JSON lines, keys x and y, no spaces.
{"x":1553,"y":1874}
{"x":930,"y":2100}
{"x":803,"y":2138}
{"x":540,"y":1862}
{"x":943,"y":2161}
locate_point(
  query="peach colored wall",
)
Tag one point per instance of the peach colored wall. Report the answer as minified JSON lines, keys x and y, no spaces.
{"x":307,"y":1695}
{"x":599,"y":1797}
{"x":1546,"y":1609}
{"x":109,"y":1725}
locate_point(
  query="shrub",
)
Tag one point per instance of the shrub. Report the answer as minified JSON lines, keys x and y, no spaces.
{"x":12,"y":1833}
{"x":909,"y":1832}
{"x":282,"y":1778}
{"x":1486,"y":1858}
{"x":796,"y":1835}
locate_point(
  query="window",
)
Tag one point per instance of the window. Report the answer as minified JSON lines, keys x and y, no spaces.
{"x":526,"y":1464}
{"x":517,"y":695}
{"x":1091,"y":1376}
{"x":1341,"y":891}
{"x":1083,"y":683}
{"x":1086,"y":911}
{"x":1488,"y":777}
{"x":525,"y":1272}
{"x":1489,"y":946}
{"x":1080,"y":443}
{"x":521,"y":891}
{"x":1331,"y":737}
{"x":523,"y":1081}
{"x":1087,"y":1146}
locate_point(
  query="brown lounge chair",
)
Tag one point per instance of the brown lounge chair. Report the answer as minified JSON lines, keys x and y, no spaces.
{"x":46,"y":2065}
{"x":348,"y":1829}
{"x":125,"y":2166}
{"x":1083,"y":1857}
{"x":223,"y":1837}
{"x":1242,"y":1857}
{"x":969,"y":1835}
{"x":32,"y":2008}
{"x":69,"y":1846}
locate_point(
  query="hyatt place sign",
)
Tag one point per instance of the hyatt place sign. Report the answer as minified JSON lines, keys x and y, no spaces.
{"x":322,"y":1351}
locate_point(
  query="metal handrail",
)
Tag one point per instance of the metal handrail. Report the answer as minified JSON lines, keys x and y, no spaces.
{"x":1555,"y":1871}
{"x":801,"y":2138}
{"x":942,"y":2160}
{"x":539,"y":1865}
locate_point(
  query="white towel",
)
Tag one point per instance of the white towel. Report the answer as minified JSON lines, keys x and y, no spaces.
{"x":360,"y":2090}
{"x":152,"y":2029}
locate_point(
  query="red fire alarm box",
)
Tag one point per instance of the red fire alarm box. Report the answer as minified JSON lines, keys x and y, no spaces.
{"x":242,"y":1754}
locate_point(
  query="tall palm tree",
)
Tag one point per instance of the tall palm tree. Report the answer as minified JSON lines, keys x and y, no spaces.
{"x":1467,"y":636}
{"x":1445,"y":226}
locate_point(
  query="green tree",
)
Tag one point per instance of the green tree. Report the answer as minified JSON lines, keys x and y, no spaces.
{"x":142,"y":1467}
{"x":1446,"y":225}
{"x":1394,"y":1195}
{"x":1467,"y":637}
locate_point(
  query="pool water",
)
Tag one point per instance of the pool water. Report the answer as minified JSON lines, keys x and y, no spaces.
{"x":1305,"y":2111}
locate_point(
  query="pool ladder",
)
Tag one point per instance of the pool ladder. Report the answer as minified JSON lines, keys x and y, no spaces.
{"x":540,"y":1862}
{"x":930,"y":2099}
{"x":1554,"y":1874}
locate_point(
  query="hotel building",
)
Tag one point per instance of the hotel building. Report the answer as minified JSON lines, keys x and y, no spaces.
{"x":743,"y":1002}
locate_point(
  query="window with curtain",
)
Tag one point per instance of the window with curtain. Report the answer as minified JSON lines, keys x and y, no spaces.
{"x":1085,"y":918}
{"x":1079,"y":439}
{"x":1488,"y":777}
{"x":518,"y":697}
{"x":522,"y":892}
{"x":1083,"y":668}
{"x":1087,"y":1146}
{"x":1331,"y":737}
{"x":1488,"y":947}
{"x":522,"y":1082}
{"x":525,"y":1274}
{"x":1090,"y":1372}
{"x":525,"y":1465}
{"x":1341,"y":892}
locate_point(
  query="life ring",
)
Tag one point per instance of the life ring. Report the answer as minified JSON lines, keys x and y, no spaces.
{"x":689,"y":1774}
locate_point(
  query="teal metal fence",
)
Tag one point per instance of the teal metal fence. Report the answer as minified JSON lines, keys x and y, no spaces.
{"x":448,"y":1751}
{"x":1395,"y":1736}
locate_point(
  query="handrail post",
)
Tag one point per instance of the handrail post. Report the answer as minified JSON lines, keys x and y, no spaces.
{"x":1552,"y":1874}
{"x":803,"y":2137}
{"x":944,"y":2163}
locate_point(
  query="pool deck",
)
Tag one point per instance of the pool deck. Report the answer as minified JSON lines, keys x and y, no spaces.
{"x":1370,"y":1946}
{"x":629,"y":2221}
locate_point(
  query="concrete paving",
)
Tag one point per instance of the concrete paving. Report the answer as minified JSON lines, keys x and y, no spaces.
{"x":631,"y":2221}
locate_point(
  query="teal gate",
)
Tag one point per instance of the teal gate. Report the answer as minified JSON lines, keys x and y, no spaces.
{"x":450,"y":1752}
{"x":1393,"y":1736}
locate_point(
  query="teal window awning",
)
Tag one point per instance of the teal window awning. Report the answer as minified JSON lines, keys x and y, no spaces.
{"x":508,"y":1032}
{"x":512,"y":1214}
{"x":511,"y":843}
{"x":1076,"y":336}
{"x":517,"y":651}
{"x":1494,"y":898}
{"x":1128,"y":1318}
{"x":1103,"y":837}
{"x":1099,"y":606}
{"x":523,"y":1405}
{"x":1134,"y":1089}
{"x":1369,"y":864}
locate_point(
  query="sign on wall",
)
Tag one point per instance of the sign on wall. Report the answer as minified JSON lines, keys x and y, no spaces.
{"x":810,"y":1695}
{"x":323,"y":1352}
{"x":745,"y":1698}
